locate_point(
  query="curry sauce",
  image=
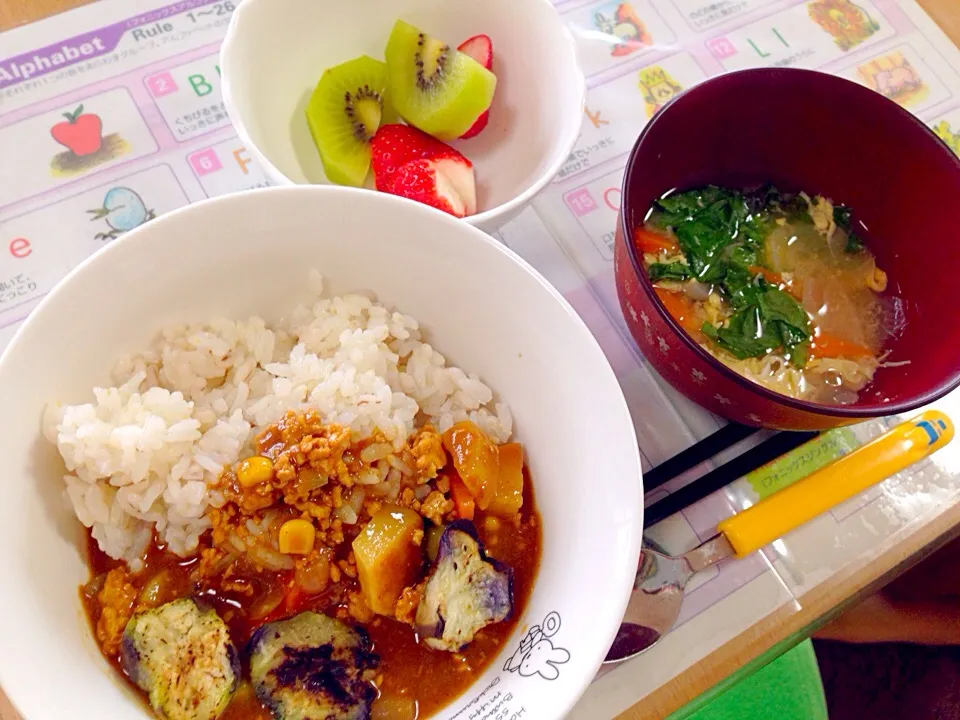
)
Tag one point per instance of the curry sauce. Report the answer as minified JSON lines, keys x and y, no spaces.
{"x":248,"y":597}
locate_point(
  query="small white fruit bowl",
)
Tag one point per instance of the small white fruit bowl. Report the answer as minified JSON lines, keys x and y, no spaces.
{"x":276,"y":50}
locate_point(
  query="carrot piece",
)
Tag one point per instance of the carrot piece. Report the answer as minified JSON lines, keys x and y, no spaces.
{"x":462,"y":498}
{"x":651,"y":242}
{"x":475,"y":459}
{"x":683,"y":310}
{"x":825,"y":345}
{"x":293,"y":599}
{"x":771,"y":276}
{"x":793,"y":287}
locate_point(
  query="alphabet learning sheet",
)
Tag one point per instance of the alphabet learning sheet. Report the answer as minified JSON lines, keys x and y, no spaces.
{"x":111,"y":115}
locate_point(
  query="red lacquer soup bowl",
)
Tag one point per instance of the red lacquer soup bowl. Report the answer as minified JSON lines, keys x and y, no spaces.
{"x":805,"y":130}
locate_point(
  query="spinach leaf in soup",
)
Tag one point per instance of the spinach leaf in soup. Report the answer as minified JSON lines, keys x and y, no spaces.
{"x":669,"y":271}
{"x":681,"y":207}
{"x":790,"y":334}
{"x":800,"y":354}
{"x":775,"y":304}
{"x":766,"y":319}
{"x":767,"y":199}
{"x":745,"y":256}
{"x":854,"y":244}
{"x":795,"y":209}
{"x":741,"y":286}
{"x":745,"y":334}
{"x":843,"y":217}
{"x":702,"y":244}
{"x":755,"y":230}
{"x":721,"y":234}
{"x":754,"y":332}
{"x":762,"y":198}
{"x":706,"y":222}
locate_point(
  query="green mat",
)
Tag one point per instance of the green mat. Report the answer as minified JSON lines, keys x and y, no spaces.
{"x":787,"y":688}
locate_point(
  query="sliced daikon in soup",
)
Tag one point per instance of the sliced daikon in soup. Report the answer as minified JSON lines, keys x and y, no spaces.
{"x":837,"y":287}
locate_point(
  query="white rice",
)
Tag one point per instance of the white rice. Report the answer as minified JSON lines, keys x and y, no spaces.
{"x":145,"y":453}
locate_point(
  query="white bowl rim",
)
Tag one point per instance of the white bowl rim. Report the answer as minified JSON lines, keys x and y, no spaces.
{"x":479,"y":219}
{"x":623,"y":585}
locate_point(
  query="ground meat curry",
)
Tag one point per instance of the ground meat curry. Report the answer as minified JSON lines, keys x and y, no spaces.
{"x":324,"y":549}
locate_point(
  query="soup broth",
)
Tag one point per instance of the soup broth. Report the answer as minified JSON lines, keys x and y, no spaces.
{"x":778,"y":287}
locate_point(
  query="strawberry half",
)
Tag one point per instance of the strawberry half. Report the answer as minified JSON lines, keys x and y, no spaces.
{"x":477,"y":127}
{"x":445,"y":184}
{"x":395,"y":145}
{"x":480,"y":48}
{"x":409,"y":163}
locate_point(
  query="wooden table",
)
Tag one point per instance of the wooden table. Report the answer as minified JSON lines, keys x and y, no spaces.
{"x":818,"y":605}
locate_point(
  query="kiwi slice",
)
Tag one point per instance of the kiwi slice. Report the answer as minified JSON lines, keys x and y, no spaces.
{"x":433,"y":86}
{"x":346,"y":108}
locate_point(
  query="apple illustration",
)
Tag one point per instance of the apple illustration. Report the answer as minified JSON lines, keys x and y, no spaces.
{"x":80,"y":134}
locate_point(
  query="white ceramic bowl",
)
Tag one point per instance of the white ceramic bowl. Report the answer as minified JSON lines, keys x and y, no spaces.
{"x":480,"y":304}
{"x":276,"y":50}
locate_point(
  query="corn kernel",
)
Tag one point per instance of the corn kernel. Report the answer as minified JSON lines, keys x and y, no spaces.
{"x":254,"y":470}
{"x":297,"y":536}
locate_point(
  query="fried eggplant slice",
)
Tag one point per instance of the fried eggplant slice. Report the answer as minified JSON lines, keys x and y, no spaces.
{"x":466,"y":591}
{"x":181,"y":655}
{"x":312,"y":666}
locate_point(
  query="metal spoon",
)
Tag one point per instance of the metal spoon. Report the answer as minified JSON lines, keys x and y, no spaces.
{"x":661,"y":579}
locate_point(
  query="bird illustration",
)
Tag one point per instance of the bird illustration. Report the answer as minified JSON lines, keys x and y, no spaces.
{"x":124,"y":210}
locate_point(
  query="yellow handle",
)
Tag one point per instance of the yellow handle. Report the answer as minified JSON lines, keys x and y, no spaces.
{"x":793,"y":506}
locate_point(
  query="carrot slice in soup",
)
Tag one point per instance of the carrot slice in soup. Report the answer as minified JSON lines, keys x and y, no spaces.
{"x":793,"y":287}
{"x":653,"y":243}
{"x":825,"y":345}
{"x":771,"y":276}
{"x":683,"y":310}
